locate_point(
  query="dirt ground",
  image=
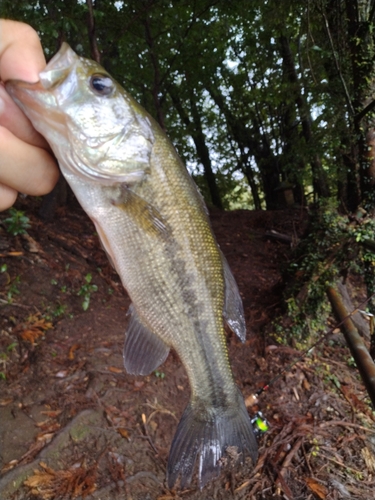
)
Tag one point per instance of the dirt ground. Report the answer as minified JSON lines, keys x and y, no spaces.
{"x":74,"y":425}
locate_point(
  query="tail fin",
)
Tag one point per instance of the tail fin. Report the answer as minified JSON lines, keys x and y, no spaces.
{"x":226,"y":429}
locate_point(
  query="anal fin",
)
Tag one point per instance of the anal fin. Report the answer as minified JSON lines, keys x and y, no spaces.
{"x":233,"y":308}
{"x":144,"y":352}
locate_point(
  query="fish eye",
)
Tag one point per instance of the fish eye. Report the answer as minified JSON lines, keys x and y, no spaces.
{"x":102,"y":85}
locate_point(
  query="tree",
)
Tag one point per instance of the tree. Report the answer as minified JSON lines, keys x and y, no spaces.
{"x":279,"y":91}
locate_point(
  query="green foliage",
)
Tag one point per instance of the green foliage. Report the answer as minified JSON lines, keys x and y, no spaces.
{"x":159,"y":374}
{"x":220,"y":69}
{"x":333,"y":248}
{"x":12,"y":289}
{"x":86,"y":290}
{"x":17,"y":222}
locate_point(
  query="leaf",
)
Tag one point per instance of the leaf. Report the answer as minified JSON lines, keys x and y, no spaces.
{"x":72,"y":351}
{"x":34,"y":328}
{"x":114,"y":369}
{"x":47,"y":484}
{"x":124,"y":433}
{"x":319,"y":489}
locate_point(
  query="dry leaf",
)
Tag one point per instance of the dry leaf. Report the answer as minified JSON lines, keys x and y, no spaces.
{"x":369,"y":459}
{"x":114,"y":369}
{"x":72,"y":351}
{"x":317,"y":488}
{"x":306,"y":385}
{"x":34,"y":328}
{"x":75,"y":482}
{"x":6,"y":402}
{"x":9,"y":466}
{"x":123,"y":432}
{"x":51,"y":413}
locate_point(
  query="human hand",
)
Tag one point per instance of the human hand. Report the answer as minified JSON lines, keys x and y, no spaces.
{"x":26,"y":164}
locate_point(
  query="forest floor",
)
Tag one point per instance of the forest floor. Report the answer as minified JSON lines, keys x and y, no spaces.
{"x":74,"y":425}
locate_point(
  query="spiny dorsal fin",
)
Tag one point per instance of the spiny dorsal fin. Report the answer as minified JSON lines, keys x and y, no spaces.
{"x":144,"y":352}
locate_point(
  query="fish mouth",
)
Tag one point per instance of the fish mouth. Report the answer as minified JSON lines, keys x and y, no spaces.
{"x":53,"y":74}
{"x":58,"y":67}
{"x":39,"y":96}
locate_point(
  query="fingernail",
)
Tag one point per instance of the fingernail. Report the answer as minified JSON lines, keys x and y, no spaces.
{"x":2,"y":102}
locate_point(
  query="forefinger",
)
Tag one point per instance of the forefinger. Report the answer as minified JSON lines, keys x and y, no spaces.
{"x":21,"y":53}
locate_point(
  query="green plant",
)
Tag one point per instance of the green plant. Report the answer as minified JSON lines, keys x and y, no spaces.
{"x":13,"y":289}
{"x":86,"y":290}
{"x":17,"y":222}
{"x":336,"y":244}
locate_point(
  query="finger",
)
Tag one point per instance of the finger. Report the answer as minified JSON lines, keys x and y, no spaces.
{"x":25,"y":168}
{"x":21,"y":54}
{"x":12,"y":118}
{"x":7,"y":197}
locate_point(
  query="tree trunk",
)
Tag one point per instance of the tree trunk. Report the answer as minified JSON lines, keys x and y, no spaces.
{"x":319,"y":177}
{"x":259,"y":147}
{"x":195,"y":128}
{"x":362,"y":51}
{"x":94,"y":51}
{"x":155,"y":64}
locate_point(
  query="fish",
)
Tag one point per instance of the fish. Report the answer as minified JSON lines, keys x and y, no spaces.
{"x":155,"y":228}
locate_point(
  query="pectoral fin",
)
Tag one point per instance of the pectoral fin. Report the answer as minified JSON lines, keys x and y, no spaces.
{"x":148,"y":217}
{"x":144,"y":352}
{"x":233,"y":308}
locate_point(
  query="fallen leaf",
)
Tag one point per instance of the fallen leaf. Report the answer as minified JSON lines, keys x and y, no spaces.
{"x":9,"y":466}
{"x":123,"y":432}
{"x":6,"y":402}
{"x":51,"y":413}
{"x":33,"y":328}
{"x":369,"y":459}
{"x":306,"y":385}
{"x":75,"y":482}
{"x":44,"y":437}
{"x":31,"y":335}
{"x":317,"y":488}
{"x":72,"y":351}
{"x":48,"y":426}
{"x":114,"y":369}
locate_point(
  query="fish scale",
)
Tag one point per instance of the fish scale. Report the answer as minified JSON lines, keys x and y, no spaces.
{"x":154,"y":226}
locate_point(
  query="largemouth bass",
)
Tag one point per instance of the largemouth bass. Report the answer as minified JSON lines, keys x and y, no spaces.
{"x":154,"y":226}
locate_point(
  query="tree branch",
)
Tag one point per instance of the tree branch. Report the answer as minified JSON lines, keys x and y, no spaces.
{"x":346,"y":92}
{"x":365,"y":364}
{"x":95,"y":54}
{"x":372,"y":13}
{"x":358,"y":117}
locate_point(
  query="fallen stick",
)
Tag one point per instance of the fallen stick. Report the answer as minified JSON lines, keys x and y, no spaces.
{"x":358,"y":349}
